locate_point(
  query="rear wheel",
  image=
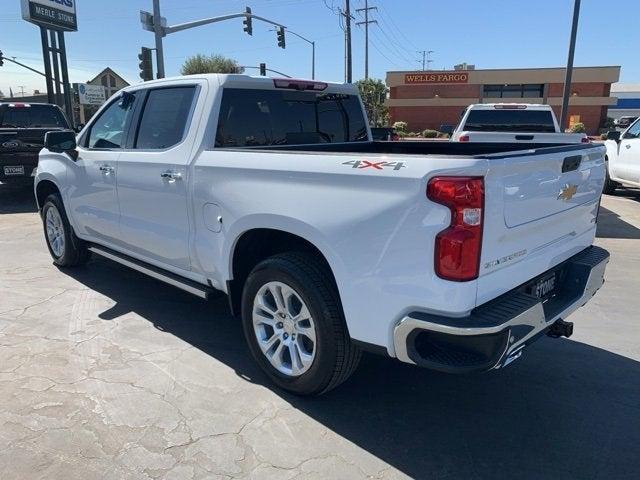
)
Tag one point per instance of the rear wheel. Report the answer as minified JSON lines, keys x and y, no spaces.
{"x":294,"y":325}
{"x":65,"y":248}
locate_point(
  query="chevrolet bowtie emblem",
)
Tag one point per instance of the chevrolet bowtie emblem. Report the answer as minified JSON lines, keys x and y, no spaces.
{"x":567,"y":192}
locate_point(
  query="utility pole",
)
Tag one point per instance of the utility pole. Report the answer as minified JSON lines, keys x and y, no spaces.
{"x":347,"y":15}
{"x":426,"y":58}
{"x":567,"y":79}
{"x":366,"y":34}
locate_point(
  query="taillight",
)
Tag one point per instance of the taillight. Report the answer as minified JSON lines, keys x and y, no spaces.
{"x":458,"y":247}
{"x":463,"y":138}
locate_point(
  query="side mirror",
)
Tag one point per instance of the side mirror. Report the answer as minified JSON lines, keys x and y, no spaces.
{"x":63,"y":141}
{"x":613,"y":135}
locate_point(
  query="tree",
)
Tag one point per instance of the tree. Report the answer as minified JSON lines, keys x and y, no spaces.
{"x":374,"y":93}
{"x":210,"y":64}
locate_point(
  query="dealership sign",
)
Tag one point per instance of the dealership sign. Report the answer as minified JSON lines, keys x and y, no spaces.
{"x":90,"y":94}
{"x":441,"y":77}
{"x":55,"y":14}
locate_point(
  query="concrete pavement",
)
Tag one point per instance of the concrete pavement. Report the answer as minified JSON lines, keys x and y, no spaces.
{"x":105,"y":373}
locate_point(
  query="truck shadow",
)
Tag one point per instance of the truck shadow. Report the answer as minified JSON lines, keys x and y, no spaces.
{"x":17,"y":198}
{"x":565,"y":410}
{"x":610,"y":225}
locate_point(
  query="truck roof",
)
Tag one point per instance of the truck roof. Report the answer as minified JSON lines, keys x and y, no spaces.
{"x":250,"y":81}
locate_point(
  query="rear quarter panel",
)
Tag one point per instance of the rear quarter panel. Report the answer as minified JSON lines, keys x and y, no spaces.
{"x":376,"y":228}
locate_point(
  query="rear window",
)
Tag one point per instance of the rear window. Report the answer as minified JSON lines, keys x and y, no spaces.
{"x":34,"y":116}
{"x":510,"y":121}
{"x":252,"y":118}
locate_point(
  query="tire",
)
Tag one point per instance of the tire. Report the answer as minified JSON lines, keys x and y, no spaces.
{"x":609,"y":185}
{"x":65,"y":248}
{"x":320,"y":365}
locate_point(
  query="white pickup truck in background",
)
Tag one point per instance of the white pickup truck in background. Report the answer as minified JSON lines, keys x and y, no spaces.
{"x":623,"y":158}
{"x":452,"y":256}
{"x":512,"y":122}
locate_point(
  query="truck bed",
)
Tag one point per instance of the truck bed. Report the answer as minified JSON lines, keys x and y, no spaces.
{"x":432,"y":147}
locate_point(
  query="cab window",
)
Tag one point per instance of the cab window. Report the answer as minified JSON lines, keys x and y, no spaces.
{"x":108,"y":130}
{"x":633,"y":131}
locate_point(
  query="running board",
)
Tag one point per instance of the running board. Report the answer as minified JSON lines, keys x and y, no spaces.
{"x":167,"y":277}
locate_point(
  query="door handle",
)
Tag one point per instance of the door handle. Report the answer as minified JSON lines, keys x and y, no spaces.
{"x":628,"y":145}
{"x":171,"y":176}
{"x":107,"y":169}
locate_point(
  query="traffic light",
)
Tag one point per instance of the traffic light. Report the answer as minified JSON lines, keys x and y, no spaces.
{"x":248,"y":26}
{"x":146,"y":65}
{"x":1,"y":59}
{"x":263,"y":69}
{"x":281,"y":42}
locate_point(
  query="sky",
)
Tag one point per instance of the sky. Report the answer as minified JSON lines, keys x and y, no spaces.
{"x":487,"y":33}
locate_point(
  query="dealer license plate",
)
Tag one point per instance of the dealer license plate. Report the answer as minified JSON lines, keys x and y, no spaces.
{"x":544,"y":287}
{"x":9,"y":171}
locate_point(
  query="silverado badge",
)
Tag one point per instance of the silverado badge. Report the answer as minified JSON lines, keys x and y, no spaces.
{"x":567,"y":192}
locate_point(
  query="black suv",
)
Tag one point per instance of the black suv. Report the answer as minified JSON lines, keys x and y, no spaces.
{"x":22,"y":129}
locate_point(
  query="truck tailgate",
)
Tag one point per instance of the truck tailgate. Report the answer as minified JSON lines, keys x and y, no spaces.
{"x":540,"y":208}
{"x":523,"y":137}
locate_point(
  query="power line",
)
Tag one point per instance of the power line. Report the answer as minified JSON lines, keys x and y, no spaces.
{"x":389,"y":50}
{"x":381,"y":53}
{"x":396,"y":27}
{"x":391,"y":43}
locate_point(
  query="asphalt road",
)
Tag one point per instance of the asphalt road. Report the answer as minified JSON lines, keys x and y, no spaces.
{"x":105,"y":373}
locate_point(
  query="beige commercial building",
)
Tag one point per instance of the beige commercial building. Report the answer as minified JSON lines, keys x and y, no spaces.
{"x":430,"y":99}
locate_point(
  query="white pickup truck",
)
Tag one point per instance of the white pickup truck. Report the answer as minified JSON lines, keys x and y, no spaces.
{"x":623,"y":158}
{"x":512,"y":122}
{"x":448,"y":256}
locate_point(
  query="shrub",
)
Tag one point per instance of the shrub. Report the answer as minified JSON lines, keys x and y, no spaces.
{"x":429,"y":133}
{"x":603,"y":136}
{"x":578,"y":128}
{"x":412,"y":134}
{"x":400,"y":126}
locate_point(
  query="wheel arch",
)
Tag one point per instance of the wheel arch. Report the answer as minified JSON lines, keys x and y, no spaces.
{"x":257,"y":244}
{"x":43,"y":189}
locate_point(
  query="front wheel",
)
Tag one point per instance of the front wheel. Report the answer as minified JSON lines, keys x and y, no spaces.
{"x":293,"y":323}
{"x":609,"y":185}
{"x":65,"y":248}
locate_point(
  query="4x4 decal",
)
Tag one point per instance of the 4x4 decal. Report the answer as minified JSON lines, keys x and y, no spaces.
{"x":375,"y":165}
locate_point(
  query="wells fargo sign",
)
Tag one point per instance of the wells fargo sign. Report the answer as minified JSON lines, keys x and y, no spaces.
{"x":451,"y":77}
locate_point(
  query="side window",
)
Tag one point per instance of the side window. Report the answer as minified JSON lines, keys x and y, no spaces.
{"x":108,"y":129}
{"x":634,"y":131}
{"x":164,"y":118}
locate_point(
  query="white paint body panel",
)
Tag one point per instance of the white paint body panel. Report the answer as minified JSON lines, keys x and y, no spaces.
{"x":376,"y":228}
{"x":624,"y":158}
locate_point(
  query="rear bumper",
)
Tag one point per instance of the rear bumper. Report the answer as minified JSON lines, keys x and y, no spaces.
{"x":495,"y":333}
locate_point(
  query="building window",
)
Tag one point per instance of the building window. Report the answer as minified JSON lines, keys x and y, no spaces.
{"x":527,"y":90}
{"x":112,"y":81}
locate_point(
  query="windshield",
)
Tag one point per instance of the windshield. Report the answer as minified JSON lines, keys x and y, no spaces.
{"x":510,"y":121}
{"x":250,"y":118}
{"x":33,"y":116}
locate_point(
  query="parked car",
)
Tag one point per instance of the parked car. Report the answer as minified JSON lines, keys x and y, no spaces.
{"x":383,"y":134}
{"x":22,"y":130}
{"x":512,"y":122}
{"x":624,"y":122}
{"x":623,"y":158}
{"x":451,"y":256}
